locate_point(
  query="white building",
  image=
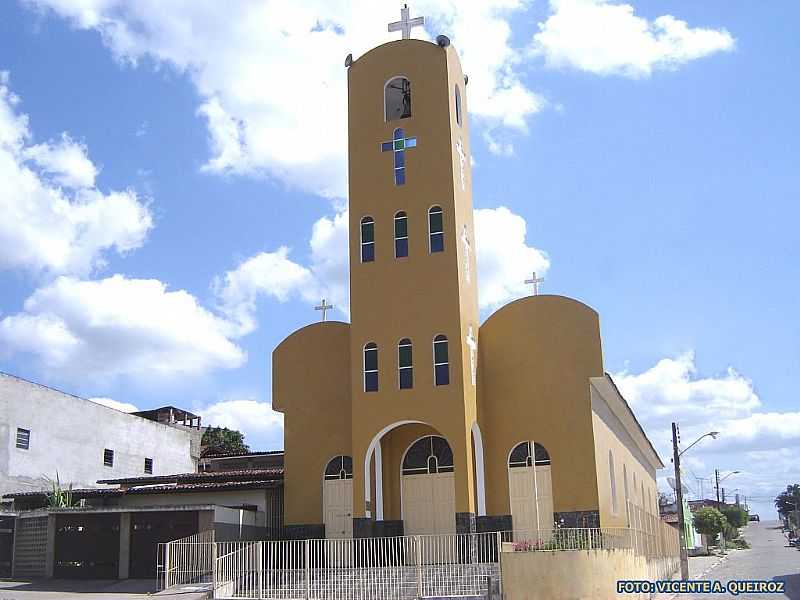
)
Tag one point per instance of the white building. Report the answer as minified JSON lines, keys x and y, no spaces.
{"x":46,"y":432}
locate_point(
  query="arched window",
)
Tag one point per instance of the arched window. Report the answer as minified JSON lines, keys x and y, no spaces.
{"x":627,"y":494}
{"x":400,"y":235}
{"x":340,"y":467}
{"x":612,"y":474}
{"x":367,"y":239}
{"x":436,"y":229}
{"x":441,"y":364}
{"x":430,"y":454}
{"x":458,"y":105}
{"x":397,"y":99}
{"x":405,"y":367}
{"x":371,"y":367}
{"x":527,"y":454}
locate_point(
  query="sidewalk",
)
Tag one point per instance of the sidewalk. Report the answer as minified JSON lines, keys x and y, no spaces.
{"x":699,"y":566}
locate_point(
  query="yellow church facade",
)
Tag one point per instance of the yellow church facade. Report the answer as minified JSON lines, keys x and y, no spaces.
{"x":415,"y":418}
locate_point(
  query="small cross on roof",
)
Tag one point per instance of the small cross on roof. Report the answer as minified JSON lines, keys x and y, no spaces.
{"x":535,"y":281}
{"x":324,"y":307}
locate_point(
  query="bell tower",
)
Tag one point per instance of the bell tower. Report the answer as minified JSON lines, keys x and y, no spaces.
{"x":413,"y":292}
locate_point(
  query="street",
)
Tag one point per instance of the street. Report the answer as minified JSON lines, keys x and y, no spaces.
{"x":769,"y":559}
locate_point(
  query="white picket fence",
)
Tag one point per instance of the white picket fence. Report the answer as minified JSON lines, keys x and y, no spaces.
{"x":390,"y":568}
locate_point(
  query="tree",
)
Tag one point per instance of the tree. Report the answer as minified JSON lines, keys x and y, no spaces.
{"x":709,"y":521}
{"x":788,"y":501}
{"x":221,"y":440}
{"x":736,"y":515}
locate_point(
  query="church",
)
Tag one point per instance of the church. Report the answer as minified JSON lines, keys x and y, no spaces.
{"x":415,"y":417}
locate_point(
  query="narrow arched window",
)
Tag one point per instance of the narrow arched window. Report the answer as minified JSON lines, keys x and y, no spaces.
{"x":367,"y":239}
{"x":436,"y":229}
{"x":371,"y":367}
{"x":441,"y":364}
{"x":339,"y":467}
{"x":613,"y":476}
{"x":458,"y":105}
{"x":405,"y":364}
{"x":397,"y":99}
{"x":400,"y":235}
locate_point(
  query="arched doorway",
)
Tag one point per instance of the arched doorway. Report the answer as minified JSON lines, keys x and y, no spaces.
{"x":530,"y":490}
{"x":337,"y":497}
{"x":428,"y":487}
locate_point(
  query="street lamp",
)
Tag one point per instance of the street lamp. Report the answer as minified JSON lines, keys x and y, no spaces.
{"x":679,"y":493}
{"x":723,"y":478}
{"x":719,"y":480}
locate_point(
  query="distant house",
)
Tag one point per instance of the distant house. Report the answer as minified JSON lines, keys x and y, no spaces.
{"x":46,"y":432}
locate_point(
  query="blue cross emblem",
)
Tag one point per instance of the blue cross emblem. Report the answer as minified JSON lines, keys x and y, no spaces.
{"x":399,"y":144}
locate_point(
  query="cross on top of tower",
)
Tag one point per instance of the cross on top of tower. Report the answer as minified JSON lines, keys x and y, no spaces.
{"x":535,"y":281}
{"x":405,"y":24}
{"x":324,"y":307}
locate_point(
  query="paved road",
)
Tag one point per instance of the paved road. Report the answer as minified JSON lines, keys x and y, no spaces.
{"x":769,"y":559}
{"x":60,"y":589}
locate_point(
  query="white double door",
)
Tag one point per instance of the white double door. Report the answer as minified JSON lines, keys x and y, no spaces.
{"x":338,"y":502}
{"x":531,"y":494}
{"x":429,"y":503}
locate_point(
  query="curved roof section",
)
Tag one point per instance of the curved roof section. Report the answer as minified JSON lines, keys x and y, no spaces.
{"x":538,"y":301}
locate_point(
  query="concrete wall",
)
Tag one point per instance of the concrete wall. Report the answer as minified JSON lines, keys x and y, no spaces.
{"x":634,"y":473}
{"x":424,"y":294}
{"x":537,"y":355}
{"x":311,"y":386}
{"x":69,"y":434}
{"x":256,"y":498}
{"x":569,"y":575}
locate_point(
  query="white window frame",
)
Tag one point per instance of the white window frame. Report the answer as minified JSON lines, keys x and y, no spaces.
{"x":362,"y":243}
{"x":26,"y":436}
{"x":431,"y":233}
{"x":405,"y":237}
{"x":446,"y":340}
{"x":364,"y":366}
{"x":401,"y":368}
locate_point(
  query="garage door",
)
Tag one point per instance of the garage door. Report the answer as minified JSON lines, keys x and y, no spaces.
{"x":87,"y":546}
{"x":149,"y":529}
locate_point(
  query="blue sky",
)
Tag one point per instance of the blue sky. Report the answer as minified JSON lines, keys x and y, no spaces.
{"x":642,"y":156}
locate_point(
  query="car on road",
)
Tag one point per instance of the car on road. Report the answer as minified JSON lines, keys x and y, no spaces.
{"x":754,"y":518}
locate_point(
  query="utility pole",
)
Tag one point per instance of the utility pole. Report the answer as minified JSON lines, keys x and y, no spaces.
{"x":676,"y":459}
{"x":716,"y":474}
{"x":723,"y":495}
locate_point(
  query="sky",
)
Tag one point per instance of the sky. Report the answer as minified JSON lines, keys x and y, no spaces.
{"x":169,"y":215}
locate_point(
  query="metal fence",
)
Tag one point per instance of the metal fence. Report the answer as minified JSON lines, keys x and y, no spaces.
{"x":187,"y":560}
{"x":390,"y":568}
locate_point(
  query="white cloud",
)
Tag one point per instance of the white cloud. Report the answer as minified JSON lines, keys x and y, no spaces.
{"x":118,"y":326}
{"x":54,"y":218}
{"x":262,"y":426}
{"x":271,"y":75}
{"x":66,"y":161}
{"x":607,"y":38}
{"x":762,"y":445}
{"x":116,"y":405}
{"x":275,"y":275}
{"x":505,"y":260}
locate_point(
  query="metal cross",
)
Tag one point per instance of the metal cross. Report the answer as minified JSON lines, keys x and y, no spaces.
{"x":405,"y":24}
{"x":535,"y":281}
{"x":324,"y":307}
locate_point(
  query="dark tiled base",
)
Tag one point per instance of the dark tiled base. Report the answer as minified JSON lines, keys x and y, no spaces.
{"x":489,"y":523}
{"x":363,"y":527}
{"x":465,"y":522}
{"x":303,"y":532}
{"x":388,"y":528}
{"x":578,"y":518}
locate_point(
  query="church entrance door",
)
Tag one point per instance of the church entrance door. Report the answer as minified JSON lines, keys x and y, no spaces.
{"x":337,"y":498}
{"x":428,"y":488}
{"x":530,"y":491}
